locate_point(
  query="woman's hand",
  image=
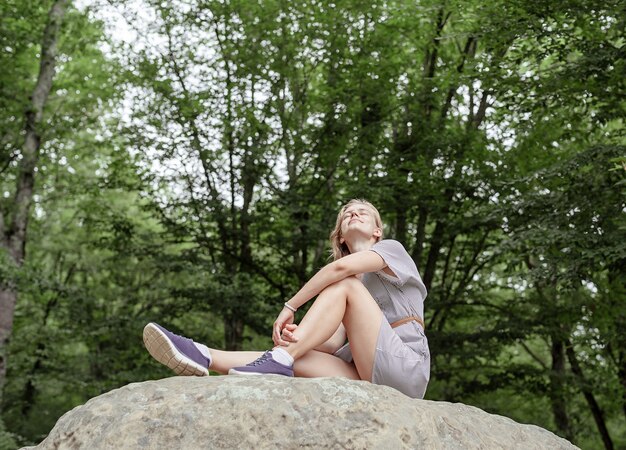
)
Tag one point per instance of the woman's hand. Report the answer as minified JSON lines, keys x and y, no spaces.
{"x":287,"y":333}
{"x":285,"y":318}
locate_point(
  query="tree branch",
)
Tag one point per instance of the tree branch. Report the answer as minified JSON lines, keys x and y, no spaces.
{"x":535,"y":357}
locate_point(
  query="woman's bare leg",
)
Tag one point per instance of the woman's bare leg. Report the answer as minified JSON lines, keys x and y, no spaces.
{"x":223,"y":361}
{"x":346,"y":301}
{"x":335,"y":342}
{"x":313,"y":364}
{"x":320,"y":364}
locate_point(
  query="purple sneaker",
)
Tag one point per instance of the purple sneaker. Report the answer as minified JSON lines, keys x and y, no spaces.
{"x":176,"y":352}
{"x":265,"y":365}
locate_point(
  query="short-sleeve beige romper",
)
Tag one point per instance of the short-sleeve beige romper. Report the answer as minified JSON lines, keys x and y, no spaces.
{"x":402,"y":358}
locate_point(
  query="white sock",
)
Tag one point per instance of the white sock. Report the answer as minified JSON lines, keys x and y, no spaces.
{"x":282,"y":356}
{"x":205,"y":351}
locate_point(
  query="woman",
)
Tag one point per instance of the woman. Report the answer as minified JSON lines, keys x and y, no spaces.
{"x":372,"y":294}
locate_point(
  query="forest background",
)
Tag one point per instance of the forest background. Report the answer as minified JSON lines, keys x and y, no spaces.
{"x":184,"y":161}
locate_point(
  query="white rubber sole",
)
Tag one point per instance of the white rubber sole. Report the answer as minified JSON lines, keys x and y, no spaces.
{"x":235,"y":372}
{"x":164,"y":351}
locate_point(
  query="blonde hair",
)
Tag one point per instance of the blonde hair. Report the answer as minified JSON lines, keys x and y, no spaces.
{"x":340,"y":250}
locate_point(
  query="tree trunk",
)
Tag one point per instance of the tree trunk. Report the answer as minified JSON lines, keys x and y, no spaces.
{"x":233,"y":333}
{"x":14,"y":237}
{"x":420,"y":235}
{"x":621,"y":373}
{"x":557,"y":391}
{"x":617,"y":281}
{"x":30,"y":391}
{"x":437,"y":239}
{"x":400,"y":225}
{"x":596,"y":411}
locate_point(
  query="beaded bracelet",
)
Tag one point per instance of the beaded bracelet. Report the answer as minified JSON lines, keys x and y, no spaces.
{"x":290,"y":308}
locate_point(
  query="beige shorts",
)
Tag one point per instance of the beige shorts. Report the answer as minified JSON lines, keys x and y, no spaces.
{"x":402,"y":359}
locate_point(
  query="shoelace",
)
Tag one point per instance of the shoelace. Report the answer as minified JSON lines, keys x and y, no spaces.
{"x":261,"y":359}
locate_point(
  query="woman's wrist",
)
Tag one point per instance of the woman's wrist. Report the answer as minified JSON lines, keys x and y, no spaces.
{"x":290,"y":308}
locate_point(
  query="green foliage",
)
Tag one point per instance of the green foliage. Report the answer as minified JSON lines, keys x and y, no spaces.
{"x":7,"y":440}
{"x":192,"y":175}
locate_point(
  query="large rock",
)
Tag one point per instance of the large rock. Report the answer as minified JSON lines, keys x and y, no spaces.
{"x":277,"y":412}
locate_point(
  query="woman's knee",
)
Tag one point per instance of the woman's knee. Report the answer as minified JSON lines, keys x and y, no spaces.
{"x":348,"y":284}
{"x":347,"y":287}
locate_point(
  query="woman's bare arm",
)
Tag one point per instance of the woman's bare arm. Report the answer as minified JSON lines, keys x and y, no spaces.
{"x":353,"y":264}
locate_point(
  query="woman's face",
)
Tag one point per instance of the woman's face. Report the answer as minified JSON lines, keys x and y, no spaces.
{"x":358,"y":220}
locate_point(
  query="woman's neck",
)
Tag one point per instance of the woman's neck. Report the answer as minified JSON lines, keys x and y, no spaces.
{"x":360,"y":245}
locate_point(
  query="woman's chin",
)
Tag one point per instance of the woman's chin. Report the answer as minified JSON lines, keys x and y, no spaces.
{"x":357,"y":233}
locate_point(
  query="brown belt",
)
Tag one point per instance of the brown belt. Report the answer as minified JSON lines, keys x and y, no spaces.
{"x":397,"y":323}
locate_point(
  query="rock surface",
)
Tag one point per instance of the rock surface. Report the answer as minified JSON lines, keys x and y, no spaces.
{"x":275,"y":412}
